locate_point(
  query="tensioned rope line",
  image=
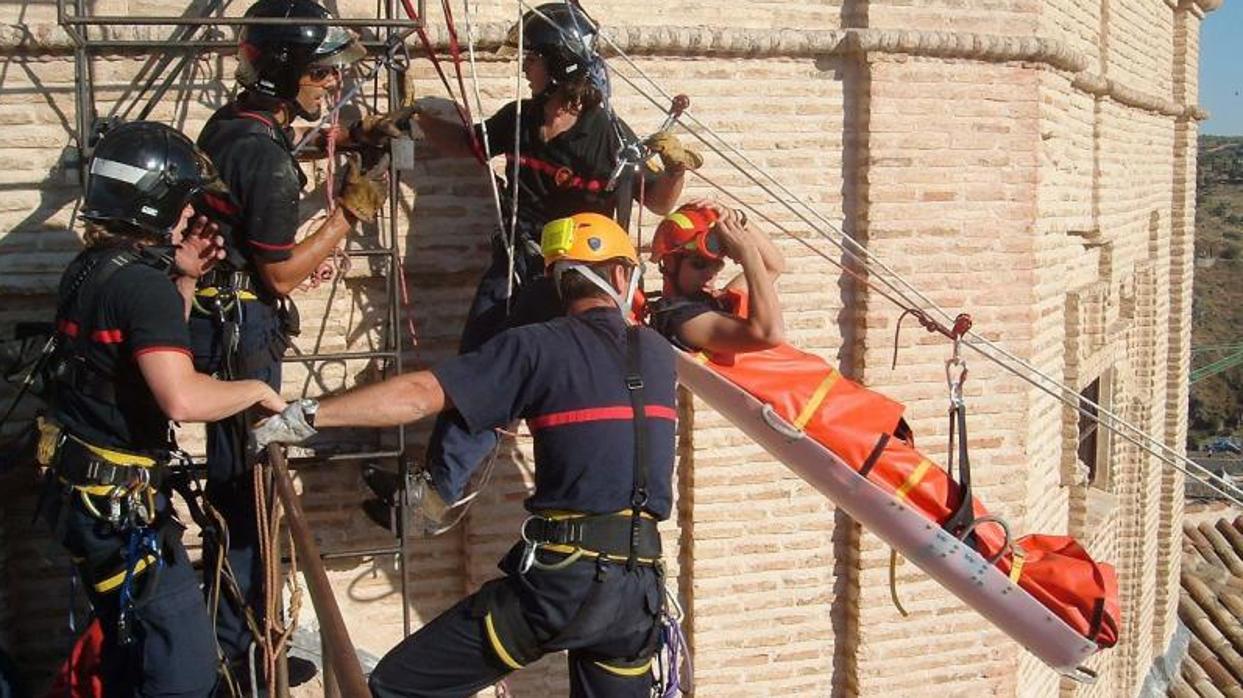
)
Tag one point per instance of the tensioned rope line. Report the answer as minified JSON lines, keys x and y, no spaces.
{"x":903,"y":289}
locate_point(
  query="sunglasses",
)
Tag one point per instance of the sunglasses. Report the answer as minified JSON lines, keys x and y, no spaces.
{"x":702,"y":264}
{"x":321,"y":73}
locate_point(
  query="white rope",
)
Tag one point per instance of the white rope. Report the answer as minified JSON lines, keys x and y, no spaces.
{"x":511,"y":238}
{"x":906,"y":291}
{"x":483,"y":123}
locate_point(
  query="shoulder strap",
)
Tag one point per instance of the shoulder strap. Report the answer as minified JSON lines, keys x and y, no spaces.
{"x":638,"y":493}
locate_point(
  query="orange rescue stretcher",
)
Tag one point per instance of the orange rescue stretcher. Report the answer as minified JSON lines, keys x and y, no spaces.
{"x":1044,"y":591}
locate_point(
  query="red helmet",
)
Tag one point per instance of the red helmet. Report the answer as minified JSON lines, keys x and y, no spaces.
{"x":689,"y":230}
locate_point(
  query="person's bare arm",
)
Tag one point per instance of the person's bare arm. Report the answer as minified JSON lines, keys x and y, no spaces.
{"x":763,"y":328}
{"x":284,"y":276}
{"x":185,"y":395}
{"x":663,"y":195}
{"x":399,"y":400}
{"x":774,"y":262}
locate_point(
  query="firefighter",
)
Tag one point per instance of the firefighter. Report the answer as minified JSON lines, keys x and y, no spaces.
{"x":569,"y":143}
{"x":120,"y":372}
{"x":241,"y":329}
{"x":690,"y":247}
{"x":599,"y":397}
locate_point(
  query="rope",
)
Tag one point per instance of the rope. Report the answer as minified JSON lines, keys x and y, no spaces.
{"x":903,"y":294}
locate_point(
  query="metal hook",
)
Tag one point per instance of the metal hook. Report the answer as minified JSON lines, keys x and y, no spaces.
{"x":955,"y":382}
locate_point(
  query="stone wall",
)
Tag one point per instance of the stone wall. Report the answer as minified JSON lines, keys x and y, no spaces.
{"x":1029,"y":162}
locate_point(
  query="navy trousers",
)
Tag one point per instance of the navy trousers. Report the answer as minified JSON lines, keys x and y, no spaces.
{"x":173,"y":653}
{"x":230,"y":489}
{"x":606,"y":616}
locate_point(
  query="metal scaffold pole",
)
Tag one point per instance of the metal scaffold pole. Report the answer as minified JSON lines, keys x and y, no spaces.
{"x":193,"y":35}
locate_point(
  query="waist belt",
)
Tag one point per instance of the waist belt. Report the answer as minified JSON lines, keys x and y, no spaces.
{"x":97,"y":470}
{"x":594,"y":535}
{"x":238,"y":284}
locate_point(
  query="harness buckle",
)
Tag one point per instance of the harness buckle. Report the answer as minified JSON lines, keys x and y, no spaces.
{"x":634,"y":383}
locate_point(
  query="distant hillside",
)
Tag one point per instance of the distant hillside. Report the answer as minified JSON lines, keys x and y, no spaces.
{"x":1217,"y":325}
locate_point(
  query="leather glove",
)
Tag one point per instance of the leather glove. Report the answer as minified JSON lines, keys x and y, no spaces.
{"x":377,"y":130}
{"x":363,"y":193}
{"x":291,"y":426}
{"x":673,"y":155}
{"x":427,"y":507}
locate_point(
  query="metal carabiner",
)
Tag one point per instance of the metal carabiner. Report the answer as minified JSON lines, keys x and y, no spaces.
{"x":954,"y":381}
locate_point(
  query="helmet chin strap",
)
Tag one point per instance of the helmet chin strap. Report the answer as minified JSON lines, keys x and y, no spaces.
{"x":623,"y":301}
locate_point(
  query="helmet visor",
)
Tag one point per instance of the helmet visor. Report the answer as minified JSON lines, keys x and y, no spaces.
{"x":340,"y":48}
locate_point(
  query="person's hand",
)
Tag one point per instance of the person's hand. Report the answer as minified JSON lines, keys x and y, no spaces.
{"x":290,"y":426}
{"x":200,"y":248}
{"x":735,"y":234}
{"x":376,"y":130}
{"x":673,"y":155}
{"x":271,"y":402}
{"x":364,"y":193}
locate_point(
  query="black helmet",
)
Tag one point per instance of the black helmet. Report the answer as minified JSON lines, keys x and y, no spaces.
{"x":273,"y":57}
{"x":563,"y":35}
{"x":143,"y":174}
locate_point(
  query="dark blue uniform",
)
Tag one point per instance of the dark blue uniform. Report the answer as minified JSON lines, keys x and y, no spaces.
{"x":553,"y":179}
{"x":253,"y":158}
{"x":566,"y":378}
{"x":101,"y":400}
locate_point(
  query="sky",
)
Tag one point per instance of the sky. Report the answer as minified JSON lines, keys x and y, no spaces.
{"x":1221,"y":70}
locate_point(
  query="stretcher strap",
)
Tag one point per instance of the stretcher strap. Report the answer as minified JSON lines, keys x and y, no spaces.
{"x":809,"y":410}
{"x":913,"y":480}
{"x":874,"y":456}
{"x":1016,"y":566}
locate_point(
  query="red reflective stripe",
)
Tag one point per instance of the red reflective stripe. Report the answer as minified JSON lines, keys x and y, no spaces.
{"x":550,"y":169}
{"x":108,"y":336}
{"x":69,"y":327}
{"x":598,"y":414}
{"x":256,"y":117}
{"x":162,"y":347}
{"x":270,"y":246}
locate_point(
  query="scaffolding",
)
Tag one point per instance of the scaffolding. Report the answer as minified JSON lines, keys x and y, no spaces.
{"x":198,"y":32}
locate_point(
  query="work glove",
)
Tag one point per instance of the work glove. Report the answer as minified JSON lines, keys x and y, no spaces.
{"x":364,"y":193}
{"x":377,"y":130}
{"x":291,"y":426}
{"x":673,"y":155}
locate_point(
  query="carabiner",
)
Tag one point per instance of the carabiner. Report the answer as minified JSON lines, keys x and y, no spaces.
{"x":955,"y":381}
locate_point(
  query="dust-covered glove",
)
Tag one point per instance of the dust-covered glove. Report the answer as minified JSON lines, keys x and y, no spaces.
{"x":673,"y":155}
{"x":377,"y":130}
{"x":364,"y":193}
{"x":291,"y":426}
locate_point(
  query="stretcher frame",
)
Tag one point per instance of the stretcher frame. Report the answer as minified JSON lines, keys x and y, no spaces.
{"x":950,"y":562}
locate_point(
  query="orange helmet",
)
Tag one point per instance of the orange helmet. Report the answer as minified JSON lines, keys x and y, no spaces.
{"x":688,"y":230}
{"x":588,"y":238}
{"x":583,"y":240}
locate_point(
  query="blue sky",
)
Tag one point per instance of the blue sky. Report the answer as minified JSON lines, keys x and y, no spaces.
{"x":1221,"y":70}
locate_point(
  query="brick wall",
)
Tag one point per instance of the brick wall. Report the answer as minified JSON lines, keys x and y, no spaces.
{"x":945,"y":136}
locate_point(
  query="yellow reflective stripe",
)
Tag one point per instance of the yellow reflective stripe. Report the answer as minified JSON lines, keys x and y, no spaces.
{"x":115,"y":580}
{"x":1016,"y":566}
{"x":683,"y":222}
{"x":496,"y":644}
{"x":570,"y":549}
{"x":626,"y":671}
{"x":117,"y":457}
{"x":913,"y":479}
{"x":212,"y":292}
{"x":95,"y":490}
{"x":565,"y":515}
{"x":809,"y":410}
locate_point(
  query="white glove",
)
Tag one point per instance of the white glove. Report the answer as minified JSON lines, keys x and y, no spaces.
{"x":291,"y":426}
